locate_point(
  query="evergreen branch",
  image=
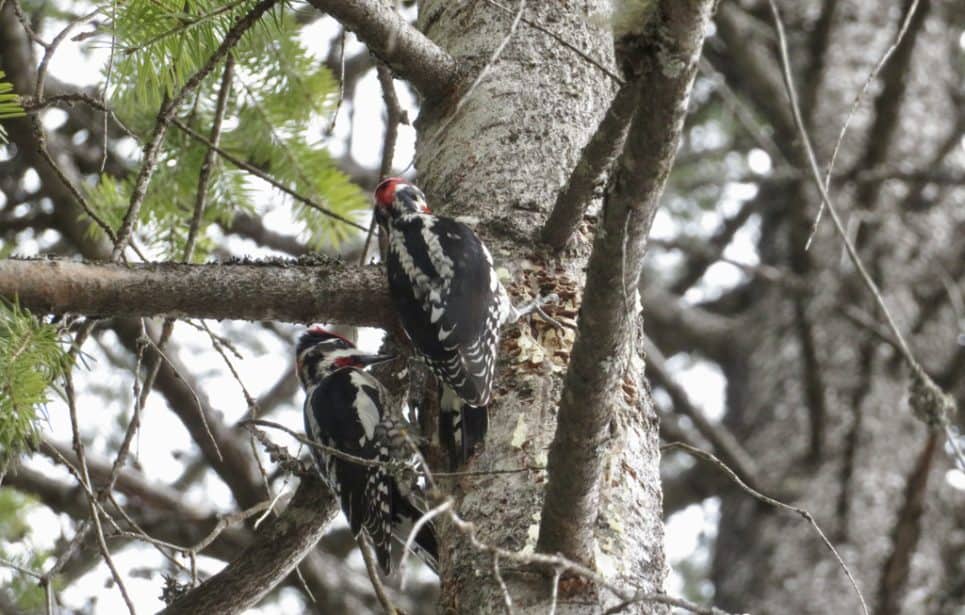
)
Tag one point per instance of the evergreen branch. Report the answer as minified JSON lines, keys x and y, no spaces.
{"x":10,"y":105}
{"x":187,"y":22}
{"x":241,"y":164}
{"x":152,"y":148}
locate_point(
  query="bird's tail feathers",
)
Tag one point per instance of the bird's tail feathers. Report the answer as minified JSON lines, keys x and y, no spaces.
{"x":462,"y":428}
{"x":426,"y":543}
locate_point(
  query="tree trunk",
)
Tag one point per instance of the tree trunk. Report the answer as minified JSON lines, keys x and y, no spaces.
{"x":811,"y":377}
{"x":501,"y":159}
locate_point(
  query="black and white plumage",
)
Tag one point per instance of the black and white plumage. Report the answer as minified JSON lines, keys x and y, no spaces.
{"x":345,"y":409}
{"x":451,"y":304}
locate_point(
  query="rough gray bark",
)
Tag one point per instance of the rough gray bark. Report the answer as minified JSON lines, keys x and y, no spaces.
{"x":602,"y":357}
{"x":317,"y":290}
{"x":502,"y":159}
{"x":428,"y":67}
{"x":866,"y":485}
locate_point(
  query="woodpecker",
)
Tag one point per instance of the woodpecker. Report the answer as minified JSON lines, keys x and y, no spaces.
{"x":451,"y":304}
{"x":346,"y":409}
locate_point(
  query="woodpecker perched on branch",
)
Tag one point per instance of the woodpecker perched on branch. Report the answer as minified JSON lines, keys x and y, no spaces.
{"x":451,"y":304}
{"x":346,"y":409}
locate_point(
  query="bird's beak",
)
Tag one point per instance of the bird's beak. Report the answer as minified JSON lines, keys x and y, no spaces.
{"x":373,"y":359}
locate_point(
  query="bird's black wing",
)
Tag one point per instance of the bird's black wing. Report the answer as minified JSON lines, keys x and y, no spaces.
{"x":448,"y":299}
{"x":343,"y":412}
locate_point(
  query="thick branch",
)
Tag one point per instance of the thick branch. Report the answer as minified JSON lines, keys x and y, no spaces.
{"x":668,"y":51}
{"x":278,"y":547}
{"x":597,"y":156}
{"x":408,"y":52}
{"x":274,"y":290}
{"x":893,"y":583}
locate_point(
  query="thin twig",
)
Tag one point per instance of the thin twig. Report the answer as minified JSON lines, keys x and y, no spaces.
{"x":854,"y":108}
{"x":225,"y":522}
{"x":341,"y":83}
{"x":272,"y":503}
{"x":107,"y":81}
{"x":201,"y":198}
{"x":507,"y":599}
{"x":555,"y":590}
{"x":428,"y":516}
{"x":334,"y":452}
{"x":22,"y":18}
{"x":132,"y":426}
{"x":368,"y":556}
{"x":757,"y":495}
{"x":21,"y":569}
{"x":393,"y":117}
{"x":41,"y":137}
{"x":194,"y":395}
{"x":49,"y":53}
{"x":251,"y":402}
{"x":558,"y":562}
{"x":84,"y":476}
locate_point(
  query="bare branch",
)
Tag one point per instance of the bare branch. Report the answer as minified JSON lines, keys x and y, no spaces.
{"x":677,"y":327}
{"x":597,"y":156}
{"x":897,"y":569}
{"x":372,"y":567}
{"x":272,"y":290}
{"x":278,"y":547}
{"x":409,"y":53}
{"x":234,"y":464}
{"x":607,"y":323}
{"x":886,"y":106}
{"x":696,"y":452}
{"x":724,"y":442}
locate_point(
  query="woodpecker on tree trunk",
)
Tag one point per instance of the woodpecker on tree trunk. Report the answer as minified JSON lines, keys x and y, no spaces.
{"x":346,"y":409}
{"x":451,"y":304}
